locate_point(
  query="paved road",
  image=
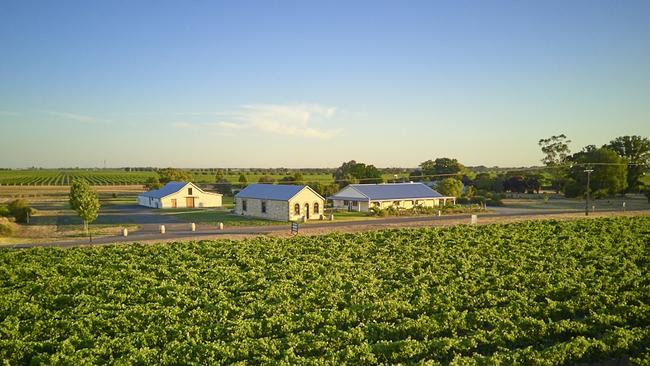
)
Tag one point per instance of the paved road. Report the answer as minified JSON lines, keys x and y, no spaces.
{"x":181,"y":231}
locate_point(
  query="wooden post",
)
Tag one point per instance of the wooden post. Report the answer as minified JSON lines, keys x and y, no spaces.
{"x":220,"y":225}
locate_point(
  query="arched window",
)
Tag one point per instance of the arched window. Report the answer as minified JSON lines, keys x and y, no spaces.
{"x":296,"y":209}
{"x":316,"y":207}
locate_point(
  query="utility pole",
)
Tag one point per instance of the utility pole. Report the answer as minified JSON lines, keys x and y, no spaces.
{"x":588,"y":171}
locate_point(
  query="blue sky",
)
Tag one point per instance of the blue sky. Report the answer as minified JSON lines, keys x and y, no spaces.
{"x":313,"y":84}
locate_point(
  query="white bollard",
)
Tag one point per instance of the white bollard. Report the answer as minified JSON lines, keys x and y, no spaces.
{"x":220,"y":225}
{"x":474,"y":220}
{"x":162,"y":229}
{"x":593,"y":208}
{"x":125,"y":232}
{"x":304,"y":218}
{"x":623,"y":205}
{"x":193,"y":226}
{"x":439,"y":213}
{"x":332,"y":217}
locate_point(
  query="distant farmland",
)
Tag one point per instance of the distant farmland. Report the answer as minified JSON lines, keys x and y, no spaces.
{"x":65,"y":177}
{"x":107,"y":177}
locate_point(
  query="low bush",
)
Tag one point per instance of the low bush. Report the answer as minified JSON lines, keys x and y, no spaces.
{"x":20,"y":210}
{"x":6,"y":227}
{"x":4,"y":211}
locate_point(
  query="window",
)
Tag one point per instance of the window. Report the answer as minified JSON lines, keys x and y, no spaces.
{"x":395,"y":203}
{"x":263,"y":206}
{"x":355,"y":203}
{"x":244,"y":205}
{"x":316,"y":208}
{"x":376,"y":204}
{"x":296,"y":209}
{"x":417,"y":202}
{"x":346,"y":203}
{"x":189,"y":191}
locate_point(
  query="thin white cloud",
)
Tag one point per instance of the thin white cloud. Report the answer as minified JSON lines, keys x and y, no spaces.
{"x":279,"y":119}
{"x":227,"y":125}
{"x":74,"y":117}
{"x":291,"y":119}
{"x":9,"y":113}
{"x":183,"y":125}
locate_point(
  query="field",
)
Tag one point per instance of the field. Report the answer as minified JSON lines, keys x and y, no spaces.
{"x":53,"y":177}
{"x":544,"y":292}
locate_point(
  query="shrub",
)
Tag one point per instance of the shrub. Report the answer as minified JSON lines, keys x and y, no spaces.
{"x":20,"y":210}
{"x":4,"y":211}
{"x":6,"y":227}
{"x":114,"y":195}
{"x":600,"y":193}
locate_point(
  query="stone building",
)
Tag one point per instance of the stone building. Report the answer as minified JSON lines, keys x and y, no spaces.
{"x":280,"y":202}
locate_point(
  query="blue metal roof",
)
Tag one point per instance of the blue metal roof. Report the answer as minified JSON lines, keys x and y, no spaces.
{"x":392,"y":191}
{"x":279,"y":192}
{"x":169,"y":188}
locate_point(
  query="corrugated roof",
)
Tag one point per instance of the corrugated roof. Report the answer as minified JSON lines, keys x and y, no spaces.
{"x":279,"y":192}
{"x":392,"y":191}
{"x":169,"y":188}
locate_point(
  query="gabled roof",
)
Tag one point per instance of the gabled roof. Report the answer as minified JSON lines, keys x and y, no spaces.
{"x":166,"y":190}
{"x":389,"y":191}
{"x":171,"y":188}
{"x":279,"y":192}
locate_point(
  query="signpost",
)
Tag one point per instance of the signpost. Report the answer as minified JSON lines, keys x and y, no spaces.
{"x":294,"y":228}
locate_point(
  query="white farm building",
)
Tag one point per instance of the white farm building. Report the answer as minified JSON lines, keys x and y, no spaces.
{"x":179,"y":195}
{"x":362,"y":197}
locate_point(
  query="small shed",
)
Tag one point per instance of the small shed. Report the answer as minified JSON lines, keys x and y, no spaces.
{"x":280,"y":202}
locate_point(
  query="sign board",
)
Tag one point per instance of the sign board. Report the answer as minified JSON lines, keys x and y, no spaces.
{"x":294,"y":228}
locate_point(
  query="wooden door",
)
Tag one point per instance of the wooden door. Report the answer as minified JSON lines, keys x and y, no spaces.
{"x":189,"y":202}
{"x":174,"y":203}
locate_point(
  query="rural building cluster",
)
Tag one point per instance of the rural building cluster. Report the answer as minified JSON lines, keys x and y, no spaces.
{"x":297,"y":202}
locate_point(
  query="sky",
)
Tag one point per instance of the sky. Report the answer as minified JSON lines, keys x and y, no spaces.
{"x":315,"y":83}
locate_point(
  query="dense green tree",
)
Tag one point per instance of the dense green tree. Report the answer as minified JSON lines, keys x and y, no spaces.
{"x":636,"y":151}
{"x":173,"y":175}
{"x":515,"y":184}
{"x":296,"y":178}
{"x":556,"y":152}
{"x":353,"y":172}
{"x":242,"y":179}
{"x":266,"y":179}
{"x":324,"y":190}
{"x":84,"y":201}
{"x":152,"y":183}
{"x":450,"y":187}
{"x":219,"y":176}
{"x":609,"y":174}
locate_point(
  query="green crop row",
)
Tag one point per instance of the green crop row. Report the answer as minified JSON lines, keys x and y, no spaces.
{"x":532,"y":293}
{"x":57,"y":178}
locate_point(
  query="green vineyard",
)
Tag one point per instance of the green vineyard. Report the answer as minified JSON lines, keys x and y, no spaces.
{"x":532,"y":293}
{"x":65,"y":177}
